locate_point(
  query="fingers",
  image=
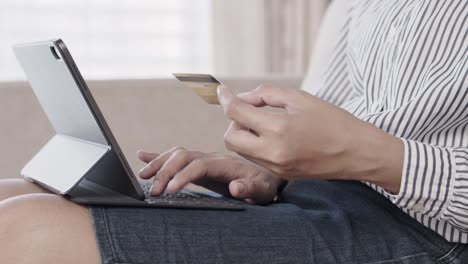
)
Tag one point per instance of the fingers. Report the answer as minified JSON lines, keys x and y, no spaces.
{"x":251,"y":99}
{"x":243,"y":113}
{"x":266,"y":95}
{"x":146,"y":156}
{"x":192,"y":172}
{"x":245,"y":182}
{"x":154,"y":165}
{"x":177,"y":162}
{"x":178,"y":167}
{"x":241,"y":140}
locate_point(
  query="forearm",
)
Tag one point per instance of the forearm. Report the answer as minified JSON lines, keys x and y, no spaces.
{"x":374,"y":156}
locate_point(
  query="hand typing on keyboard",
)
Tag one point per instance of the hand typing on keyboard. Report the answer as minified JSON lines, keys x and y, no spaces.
{"x":173,"y":170}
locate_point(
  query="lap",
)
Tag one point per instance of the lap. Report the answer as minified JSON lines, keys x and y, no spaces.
{"x":315,"y":222}
{"x":39,"y":227}
{"x":15,"y":187}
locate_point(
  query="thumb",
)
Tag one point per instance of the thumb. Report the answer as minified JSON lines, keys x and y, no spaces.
{"x":245,"y":189}
{"x":239,"y":189}
{"x":251,"y":98}
{"x":225,"y":95}
{"x":271,"y":96}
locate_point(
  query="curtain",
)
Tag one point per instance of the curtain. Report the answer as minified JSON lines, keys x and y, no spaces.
{"x":265,"y":37}
{"x":113,"y":39}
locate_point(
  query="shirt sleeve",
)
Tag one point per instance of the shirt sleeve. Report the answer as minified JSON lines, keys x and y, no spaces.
{"x":435,"y":182}
{"x":428,"y":109}
{"x":434,"y":128}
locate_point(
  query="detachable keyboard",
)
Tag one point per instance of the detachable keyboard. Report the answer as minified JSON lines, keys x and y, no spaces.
{"x":187,"y":199}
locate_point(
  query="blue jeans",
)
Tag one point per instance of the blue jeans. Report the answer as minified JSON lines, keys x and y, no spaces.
{"x":314,"y":222}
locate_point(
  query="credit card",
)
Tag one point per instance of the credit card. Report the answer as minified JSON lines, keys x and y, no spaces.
{"x":204,"y":85}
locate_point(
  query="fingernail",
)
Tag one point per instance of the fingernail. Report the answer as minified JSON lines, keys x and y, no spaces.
{"x":220,"y":87}
{"x":151,"y":189}
{"x":243,"y":95}
{"x":222,"y":95}
{"x":240,"y":187}
{"x":170,"y":187}
{"x":142,"y":170}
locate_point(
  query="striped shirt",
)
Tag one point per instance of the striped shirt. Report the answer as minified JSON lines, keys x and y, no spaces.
{"x":402,"y":65}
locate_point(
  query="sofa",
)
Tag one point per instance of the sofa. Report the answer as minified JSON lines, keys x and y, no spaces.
{"x":143,"y":114}
{"x":146,"y":114}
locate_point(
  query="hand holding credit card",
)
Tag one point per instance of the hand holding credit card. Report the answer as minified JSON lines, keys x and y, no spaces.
{"x":204,"y":85}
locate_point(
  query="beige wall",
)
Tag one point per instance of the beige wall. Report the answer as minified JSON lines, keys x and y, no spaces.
{"x":275,"y":36}
{"x":143,"y":114}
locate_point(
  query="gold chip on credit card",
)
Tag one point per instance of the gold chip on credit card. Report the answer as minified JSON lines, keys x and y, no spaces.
{"x":204,"y":85}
